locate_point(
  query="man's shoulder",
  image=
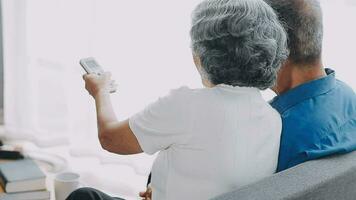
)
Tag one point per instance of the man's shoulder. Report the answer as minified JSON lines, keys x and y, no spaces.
{"x":345,"y":90}
{"x":331,"y":109}
{"x":340,"y":96}
{"x":333,"y":102}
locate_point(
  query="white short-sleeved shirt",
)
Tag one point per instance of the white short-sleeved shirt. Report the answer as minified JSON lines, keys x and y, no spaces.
{"x":209,"y":140}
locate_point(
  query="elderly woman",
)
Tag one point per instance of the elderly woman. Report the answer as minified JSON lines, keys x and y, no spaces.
{"x":217,"y":138}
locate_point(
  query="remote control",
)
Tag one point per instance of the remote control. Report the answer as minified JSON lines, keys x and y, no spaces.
{"x":92,"y":67}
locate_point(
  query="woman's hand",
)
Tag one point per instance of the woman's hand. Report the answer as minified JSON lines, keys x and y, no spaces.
{"x":147,"y":195}
{"x":99,"y":84}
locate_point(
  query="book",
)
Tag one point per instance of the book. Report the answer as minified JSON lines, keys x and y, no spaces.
{"x":21,"y":176}
{"x":34,"y":195}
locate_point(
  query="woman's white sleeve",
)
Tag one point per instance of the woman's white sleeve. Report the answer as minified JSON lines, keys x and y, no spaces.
{"x":163,"y":123}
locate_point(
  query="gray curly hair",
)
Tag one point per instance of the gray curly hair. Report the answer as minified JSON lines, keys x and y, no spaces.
{"x":239,"y":42}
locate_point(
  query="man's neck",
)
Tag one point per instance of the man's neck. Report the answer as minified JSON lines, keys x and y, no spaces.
{"x":292,"y":75}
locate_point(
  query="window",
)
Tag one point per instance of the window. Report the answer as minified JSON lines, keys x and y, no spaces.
{"x":339,"y":38}
{"x":1,"y":74}
{"x":145,"y":44}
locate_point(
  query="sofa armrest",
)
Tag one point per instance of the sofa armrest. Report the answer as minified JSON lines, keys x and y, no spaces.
{"x":329,"y":178}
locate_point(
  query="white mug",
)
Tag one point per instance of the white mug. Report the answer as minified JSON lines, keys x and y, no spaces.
{"x":64,"y":184}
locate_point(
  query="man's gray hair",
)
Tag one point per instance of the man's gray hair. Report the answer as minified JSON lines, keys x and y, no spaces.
{"x":239,"y":42}
{"x":303,"y":21}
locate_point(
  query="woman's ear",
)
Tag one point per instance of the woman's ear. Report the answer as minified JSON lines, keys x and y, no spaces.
{"x":197,"y":61}
{"x":203,"y":74}
{"x":198,"y":65}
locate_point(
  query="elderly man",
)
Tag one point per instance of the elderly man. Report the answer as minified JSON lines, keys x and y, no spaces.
{"x":318,"y":111}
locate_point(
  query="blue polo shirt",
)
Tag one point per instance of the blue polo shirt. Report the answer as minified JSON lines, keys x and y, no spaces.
{"x":318,"y":119}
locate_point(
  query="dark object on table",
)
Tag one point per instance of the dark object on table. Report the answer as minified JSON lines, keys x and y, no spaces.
{"x":11,"y":155}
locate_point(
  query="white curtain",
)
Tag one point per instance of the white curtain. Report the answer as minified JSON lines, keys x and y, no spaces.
{"x":145,"y":44}
{"x":339,"y":39}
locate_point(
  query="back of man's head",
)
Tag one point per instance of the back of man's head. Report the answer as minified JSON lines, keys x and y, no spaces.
{"x":304,"y":25}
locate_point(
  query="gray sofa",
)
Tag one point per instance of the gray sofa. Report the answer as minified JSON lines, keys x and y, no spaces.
{"x":332,"y":178}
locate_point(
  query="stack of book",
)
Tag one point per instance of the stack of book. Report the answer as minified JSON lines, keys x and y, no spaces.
{"x":22,"y":180}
